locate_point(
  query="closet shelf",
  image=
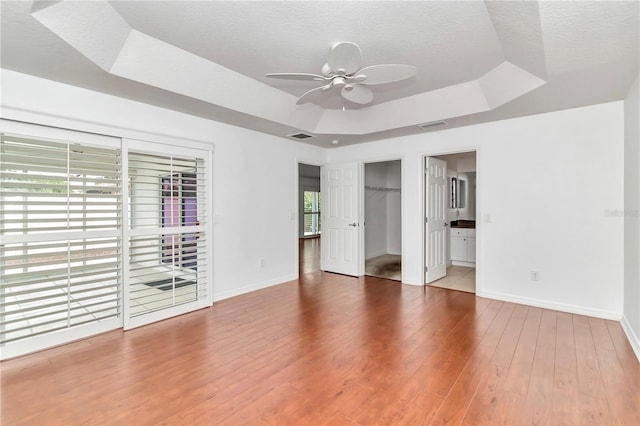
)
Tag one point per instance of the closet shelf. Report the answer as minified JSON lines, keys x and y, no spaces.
{"x":381,"y":188}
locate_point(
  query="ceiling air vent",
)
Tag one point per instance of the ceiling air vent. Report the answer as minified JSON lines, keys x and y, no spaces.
{"x":300,"y":136}
{"x":432,"y":124}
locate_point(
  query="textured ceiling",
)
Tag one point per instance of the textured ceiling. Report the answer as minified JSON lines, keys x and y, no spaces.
{"x":477,"y":61}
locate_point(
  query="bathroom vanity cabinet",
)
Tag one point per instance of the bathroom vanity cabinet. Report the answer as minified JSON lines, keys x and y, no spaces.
{"x":463,"y":246}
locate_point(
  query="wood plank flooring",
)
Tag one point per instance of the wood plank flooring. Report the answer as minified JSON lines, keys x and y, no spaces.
{"x":330,"y":349}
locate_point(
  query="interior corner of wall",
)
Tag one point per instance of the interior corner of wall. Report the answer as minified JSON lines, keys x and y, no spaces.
{"x":632,"y":336}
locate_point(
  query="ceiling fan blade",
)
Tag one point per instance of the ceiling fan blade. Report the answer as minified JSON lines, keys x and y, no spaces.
{"x":357,"y":93}
{"x":312,"y":94}
{"x":386,"y":73}
{"x":297,"y":76}
{"x":345,"y":57}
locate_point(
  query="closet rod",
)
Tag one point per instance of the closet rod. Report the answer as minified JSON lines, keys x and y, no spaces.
{"x":381,"y":188}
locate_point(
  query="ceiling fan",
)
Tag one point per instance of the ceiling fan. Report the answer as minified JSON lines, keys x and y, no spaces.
{"x":342,"y":71}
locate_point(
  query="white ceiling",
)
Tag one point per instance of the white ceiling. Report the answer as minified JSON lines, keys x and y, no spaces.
{"x":477,"y":61}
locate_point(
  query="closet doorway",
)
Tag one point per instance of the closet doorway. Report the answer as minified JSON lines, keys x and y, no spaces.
{"x":383,"y":220}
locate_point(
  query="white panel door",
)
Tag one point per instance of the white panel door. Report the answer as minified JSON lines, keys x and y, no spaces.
{"x":340,"y":237}
{"x":435,"y":208}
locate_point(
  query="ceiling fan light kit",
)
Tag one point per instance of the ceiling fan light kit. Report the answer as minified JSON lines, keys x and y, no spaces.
{"x":342,"y":70}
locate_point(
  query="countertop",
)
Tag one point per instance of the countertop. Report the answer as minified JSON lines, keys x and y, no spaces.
{"x":469,"y":224}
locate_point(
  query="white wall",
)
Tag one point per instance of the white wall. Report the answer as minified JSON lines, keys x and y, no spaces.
{"x":254,"y":222}
{"x":394,"y":211}
{"x":631,"y":315}
{"x":547,"y":213}
{"x":466,"y":163}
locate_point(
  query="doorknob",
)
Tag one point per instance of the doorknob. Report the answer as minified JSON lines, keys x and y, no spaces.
{"x":353,"y":224}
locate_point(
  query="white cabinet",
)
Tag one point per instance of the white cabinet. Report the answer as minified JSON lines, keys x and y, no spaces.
{"x":463,"y":246}
{"x":458,"y":248}
{"x":471,"y":249}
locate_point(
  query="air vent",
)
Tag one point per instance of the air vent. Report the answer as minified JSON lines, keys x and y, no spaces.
{"x":300,"y":136}
{"x":432,"y":124}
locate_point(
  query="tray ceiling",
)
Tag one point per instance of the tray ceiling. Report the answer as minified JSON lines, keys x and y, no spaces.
{"x":477,"y":61}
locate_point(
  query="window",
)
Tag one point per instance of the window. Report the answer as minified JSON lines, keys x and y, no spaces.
{"x":311,"y":213}
{"x":60,"y":222}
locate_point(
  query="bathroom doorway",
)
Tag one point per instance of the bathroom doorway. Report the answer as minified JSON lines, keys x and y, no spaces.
{"x":460,"y":222}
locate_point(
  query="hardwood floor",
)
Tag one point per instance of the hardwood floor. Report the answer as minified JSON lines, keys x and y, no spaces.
{"x":330,"y":349}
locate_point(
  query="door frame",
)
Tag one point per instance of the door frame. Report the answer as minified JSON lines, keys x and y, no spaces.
{"x":362,"y":208}
{"x":479,"y":211}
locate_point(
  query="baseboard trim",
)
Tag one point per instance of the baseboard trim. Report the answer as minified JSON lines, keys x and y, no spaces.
{"x":563,"y":307}
{"x":253,"y":287}
{"x":634,"y":341}
{"x":461,"y":263}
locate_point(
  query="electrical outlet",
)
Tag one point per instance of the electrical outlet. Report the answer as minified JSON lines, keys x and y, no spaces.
{"x":535,"y":276}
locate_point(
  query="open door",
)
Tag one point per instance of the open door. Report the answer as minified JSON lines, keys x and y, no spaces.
{"x":340,"y":238}
{"x":435,"y":204}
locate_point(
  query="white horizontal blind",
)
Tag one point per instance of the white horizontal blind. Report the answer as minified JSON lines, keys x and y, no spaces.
{"x":60,"y":225}
{"x":167,"y":239}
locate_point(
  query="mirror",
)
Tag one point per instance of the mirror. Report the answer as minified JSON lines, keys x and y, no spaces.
{"x":453,"y":202}
{"x":462,"y":191}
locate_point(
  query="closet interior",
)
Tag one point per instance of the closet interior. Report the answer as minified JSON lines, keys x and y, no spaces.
{"x":383,"y":242}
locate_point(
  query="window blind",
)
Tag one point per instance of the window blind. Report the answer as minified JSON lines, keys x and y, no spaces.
{"x":167,"y":238}
{"x":60,"y":225}
{"x":311,"y":212}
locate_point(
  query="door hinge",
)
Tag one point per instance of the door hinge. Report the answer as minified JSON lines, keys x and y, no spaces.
{"x":426,"y":170}
{"x":426,"y":269}
{"x":426,"y":219}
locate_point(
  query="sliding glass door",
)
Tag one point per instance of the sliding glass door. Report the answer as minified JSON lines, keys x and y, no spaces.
{"x":97,"y":233}
{"x":60,"y":230}
{"x":167,"y":252}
